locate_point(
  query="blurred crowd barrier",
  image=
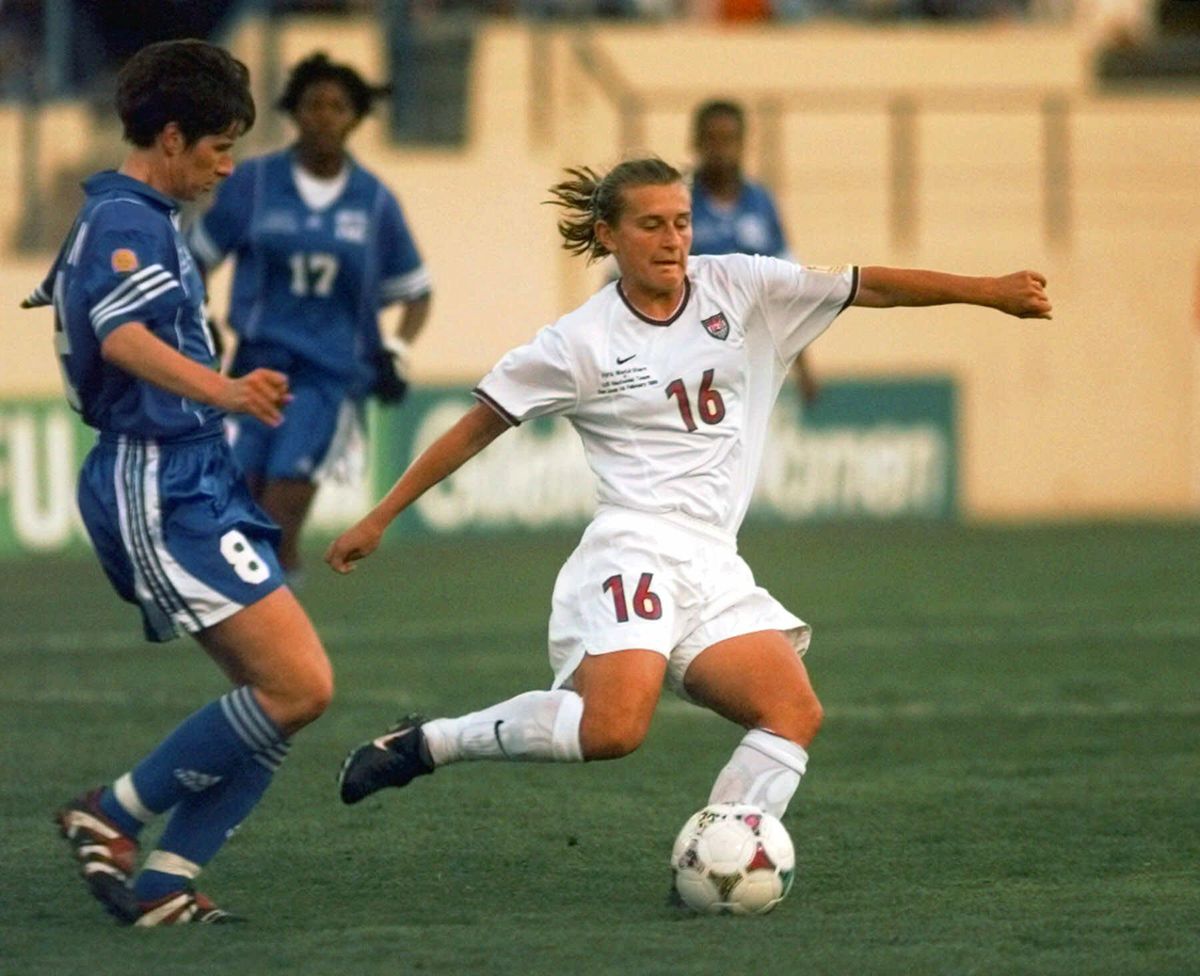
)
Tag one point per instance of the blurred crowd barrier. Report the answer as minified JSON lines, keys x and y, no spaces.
{"x":977,"y":150}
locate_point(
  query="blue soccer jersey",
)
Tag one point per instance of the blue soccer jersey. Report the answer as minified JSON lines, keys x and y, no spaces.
{"x":161,"y":496}
{"x":750,"y":226}
{"x":310,"y":281}
{"x":125,"y":261}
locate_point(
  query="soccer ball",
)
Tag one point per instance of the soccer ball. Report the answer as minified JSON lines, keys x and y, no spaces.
{"x":733,"y":859}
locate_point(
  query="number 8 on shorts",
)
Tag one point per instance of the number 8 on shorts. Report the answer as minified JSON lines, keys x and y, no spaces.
{"x":238,"y":552}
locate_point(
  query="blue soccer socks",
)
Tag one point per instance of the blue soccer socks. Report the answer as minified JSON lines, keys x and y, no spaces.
{"x":204,"y":748}
{"x":201,"y":823}
{"x":213,"y":768}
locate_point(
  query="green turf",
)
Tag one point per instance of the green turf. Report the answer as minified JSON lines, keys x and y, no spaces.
{"x":1007,"y":781}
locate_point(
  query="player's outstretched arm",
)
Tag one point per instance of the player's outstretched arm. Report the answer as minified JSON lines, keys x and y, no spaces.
{"x":1022,"y":293}
{"x":135,"y":349}
{"x":474,"y":431}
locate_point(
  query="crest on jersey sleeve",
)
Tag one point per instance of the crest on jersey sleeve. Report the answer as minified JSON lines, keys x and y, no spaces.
{"x":124,"y":261}
{"x":716,"y":326}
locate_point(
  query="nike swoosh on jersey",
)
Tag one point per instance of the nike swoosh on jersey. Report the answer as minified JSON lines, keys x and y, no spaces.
{"x":622,"y":362}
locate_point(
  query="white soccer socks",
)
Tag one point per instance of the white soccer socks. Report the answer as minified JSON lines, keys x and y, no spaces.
{"x":126,"y":795}
{"x":543,"y":726}
{"x":764,"y":770}
{"x":538,"y":726}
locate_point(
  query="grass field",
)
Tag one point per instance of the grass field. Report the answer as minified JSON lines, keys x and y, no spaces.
{"x":1008,"y":780}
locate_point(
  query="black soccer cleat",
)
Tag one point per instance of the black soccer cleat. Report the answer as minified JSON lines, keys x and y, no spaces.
{"x":395,"y":758}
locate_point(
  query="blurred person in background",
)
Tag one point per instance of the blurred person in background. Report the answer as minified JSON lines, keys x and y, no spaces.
{"x":320,"y":246}
{"x":731,"y":214}
{"x":21,"y":23}
{"x":162,"y":498}
{"x":669,"y":376}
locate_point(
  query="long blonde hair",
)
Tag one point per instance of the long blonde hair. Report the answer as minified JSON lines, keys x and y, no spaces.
{"x":589,"y":198}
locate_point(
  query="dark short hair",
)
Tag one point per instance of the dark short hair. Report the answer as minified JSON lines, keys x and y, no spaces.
{"x":587,"y":198}
{"x":714,"y":108}
{"x":317,"y":68}
{"x":200,"y":87}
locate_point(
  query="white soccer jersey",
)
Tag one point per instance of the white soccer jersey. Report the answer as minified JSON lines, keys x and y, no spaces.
{"x":673,"y":414}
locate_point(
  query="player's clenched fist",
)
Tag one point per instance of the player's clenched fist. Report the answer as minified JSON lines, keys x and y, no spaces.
{"x":262,"y":393}
{"x":1023,"y":294}
{"x":357,"y":542}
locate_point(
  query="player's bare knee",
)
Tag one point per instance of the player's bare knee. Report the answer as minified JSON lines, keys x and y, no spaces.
{"x":311,"y":686}
{"x":608,"y":747}
{"x":610,"y":740}
{"x":813,"y":716}
{"x":317,"y":695}
{"x":798,"y":720}
{"x":318,"y":699}
{"x":301,"y":700}
{"x":807,"y":721}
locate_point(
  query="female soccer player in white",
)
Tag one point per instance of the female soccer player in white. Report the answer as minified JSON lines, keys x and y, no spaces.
{"x":669,"y":375}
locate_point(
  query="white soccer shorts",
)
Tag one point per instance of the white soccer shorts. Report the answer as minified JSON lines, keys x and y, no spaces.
{"x":666,"y":584}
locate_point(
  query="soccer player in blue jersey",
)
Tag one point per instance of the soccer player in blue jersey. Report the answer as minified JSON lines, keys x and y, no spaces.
{"x":161,"y":495}
{"x":320,"y":246}
{"x":731,"y":214}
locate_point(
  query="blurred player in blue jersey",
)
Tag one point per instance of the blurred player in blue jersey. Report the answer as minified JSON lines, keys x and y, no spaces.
{"x":731,"y":214}
{"x":320,"y":246}
{"x":161,"y":495}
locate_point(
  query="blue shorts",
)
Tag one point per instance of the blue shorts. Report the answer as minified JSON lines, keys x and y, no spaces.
{"x":177,"y":531}
{"x":296,"y":448}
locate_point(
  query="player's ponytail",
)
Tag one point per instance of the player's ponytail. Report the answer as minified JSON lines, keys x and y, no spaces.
{"x":587,"y":198}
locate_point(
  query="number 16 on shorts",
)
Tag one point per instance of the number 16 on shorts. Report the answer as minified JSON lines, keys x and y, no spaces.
{"x":645,"y":602}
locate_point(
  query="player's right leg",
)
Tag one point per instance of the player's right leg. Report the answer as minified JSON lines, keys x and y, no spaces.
{"x":605,"y":716}
{"x":215,"y":767}
{"x":609,"y":665}
{"x":283,"y":681}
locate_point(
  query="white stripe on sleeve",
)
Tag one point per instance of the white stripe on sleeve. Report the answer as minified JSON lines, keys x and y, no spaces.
{"x":128,"y":286}
{"x":134,"y":303}
{"x":405,"y":287}
{"x":138,"y":290}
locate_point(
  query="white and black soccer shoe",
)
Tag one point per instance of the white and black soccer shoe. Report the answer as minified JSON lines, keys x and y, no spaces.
{"x":395,"y":758}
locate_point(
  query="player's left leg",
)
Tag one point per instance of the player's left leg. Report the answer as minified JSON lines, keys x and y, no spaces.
{"x":759,"y":681}
{"x":283,"y":681}
{"x":287,"y":501}
{"x":296,"y":451}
